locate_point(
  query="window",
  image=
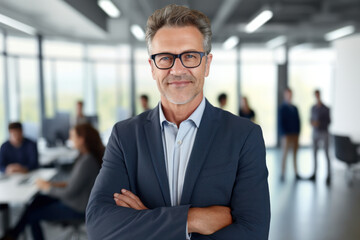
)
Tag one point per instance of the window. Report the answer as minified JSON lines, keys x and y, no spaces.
{"x":29,"y":90}
{"x":2,"y":102}
{"x":22,"y":46}
{"x":222,"y":79}
{"x":144,"y":81}
{"x":259,"y":84}
{"x":106,"y":87}
{"x":69,"y":85}
{"x":310,"y":70}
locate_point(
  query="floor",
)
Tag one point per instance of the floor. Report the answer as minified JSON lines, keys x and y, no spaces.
{"x":300,"y":209}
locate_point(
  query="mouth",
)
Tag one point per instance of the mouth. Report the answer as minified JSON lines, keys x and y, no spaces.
{"x":179,"y":83}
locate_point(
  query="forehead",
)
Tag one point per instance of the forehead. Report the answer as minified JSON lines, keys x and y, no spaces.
{"x":177,"y":40}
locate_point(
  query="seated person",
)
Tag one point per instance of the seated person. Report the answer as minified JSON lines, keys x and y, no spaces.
{"x":18,"y":154}
{"x":65,"y":201}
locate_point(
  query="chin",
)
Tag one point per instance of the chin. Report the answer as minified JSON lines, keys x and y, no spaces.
{"x":181,"y":100}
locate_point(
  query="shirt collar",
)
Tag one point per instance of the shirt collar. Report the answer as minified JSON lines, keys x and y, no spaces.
{"x":195,"y":117}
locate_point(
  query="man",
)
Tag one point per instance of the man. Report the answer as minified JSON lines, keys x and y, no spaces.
{"x":80,"y":117}
{"x":222,"y":99}
{"x":184,"y":168}
{"x":144,"y":100}
{"x":320,"y":121}
{"x":289,"y":128}
{"x":18,"y":154}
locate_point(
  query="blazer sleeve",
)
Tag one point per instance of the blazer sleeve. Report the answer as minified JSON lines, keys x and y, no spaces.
{"x":105,"y":220}
{"x":250,"y":201}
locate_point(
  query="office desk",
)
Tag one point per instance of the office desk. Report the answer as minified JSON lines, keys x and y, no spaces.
{"x":62,"y":155}
{"x":20,"y":188}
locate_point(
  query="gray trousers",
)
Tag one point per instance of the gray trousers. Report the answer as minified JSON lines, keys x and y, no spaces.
{"x":321,"y":137}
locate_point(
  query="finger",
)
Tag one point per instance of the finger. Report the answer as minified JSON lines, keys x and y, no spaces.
{"x":128,"y":200}
{"x":133,"y":196}
{"x":121,"y":203}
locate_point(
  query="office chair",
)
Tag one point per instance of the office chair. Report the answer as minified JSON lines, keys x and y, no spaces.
{"x":347,"y":152}
{"x":76,"y":230}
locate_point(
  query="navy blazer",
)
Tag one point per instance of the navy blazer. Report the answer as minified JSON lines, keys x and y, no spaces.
{"x":226,"y":167}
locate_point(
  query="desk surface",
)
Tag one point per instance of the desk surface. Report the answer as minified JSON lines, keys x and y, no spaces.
{"x":20,"y":188}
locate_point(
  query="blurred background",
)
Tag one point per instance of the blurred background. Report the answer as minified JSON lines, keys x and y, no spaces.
{"x":57,"y":52}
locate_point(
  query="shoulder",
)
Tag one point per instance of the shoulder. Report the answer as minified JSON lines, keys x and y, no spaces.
{"x":133,"y":122}
{"x":88,"y":160}
{"x":6,"y":145}
{"x":229,"y":121}
{"x":29,"y":141}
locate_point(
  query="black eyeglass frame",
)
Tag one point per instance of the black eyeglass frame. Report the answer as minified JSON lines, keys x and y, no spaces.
{"x":202,"y":54}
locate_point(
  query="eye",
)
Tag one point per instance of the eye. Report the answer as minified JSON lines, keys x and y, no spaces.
{"x":190,"y":56}
{"x":164,"y":58}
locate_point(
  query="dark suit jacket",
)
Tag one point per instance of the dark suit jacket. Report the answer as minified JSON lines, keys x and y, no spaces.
{"x":226,"y":167}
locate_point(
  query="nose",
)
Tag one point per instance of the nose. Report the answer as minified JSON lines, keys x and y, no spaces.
{"x":178,"y":68}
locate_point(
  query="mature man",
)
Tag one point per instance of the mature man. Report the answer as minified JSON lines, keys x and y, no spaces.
{"x":18,"y":154}
{"x":320,"y":121}
{"x":289,"y":128}
{"x":184,"y":169}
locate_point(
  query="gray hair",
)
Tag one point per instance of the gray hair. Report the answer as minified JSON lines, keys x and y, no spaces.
{"x":178,"y":16}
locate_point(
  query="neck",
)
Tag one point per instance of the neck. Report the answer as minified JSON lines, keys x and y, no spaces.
{"x":176,"y":113}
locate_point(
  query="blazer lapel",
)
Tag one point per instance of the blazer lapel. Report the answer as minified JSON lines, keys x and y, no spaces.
{"x":203,"y":142}
{"x":155,"y":146}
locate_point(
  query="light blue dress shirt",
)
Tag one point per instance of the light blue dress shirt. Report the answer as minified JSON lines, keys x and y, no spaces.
{"x":178,"y":144}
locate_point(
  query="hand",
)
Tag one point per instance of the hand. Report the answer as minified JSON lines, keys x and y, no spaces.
{"x":43,"y":185}
{"x":129,"y":200}
{"x":208,"y":220}
{"x":15,"y":168}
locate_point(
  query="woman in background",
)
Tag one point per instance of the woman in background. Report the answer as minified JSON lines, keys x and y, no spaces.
{"x":65,"y":200}
{"x":245,"y":110}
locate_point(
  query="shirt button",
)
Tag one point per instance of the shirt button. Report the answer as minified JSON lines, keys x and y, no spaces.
{"x":179,"y":142}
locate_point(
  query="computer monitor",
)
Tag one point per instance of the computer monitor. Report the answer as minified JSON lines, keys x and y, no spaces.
{"x":93,"y":120}
{"x":56,"y":129}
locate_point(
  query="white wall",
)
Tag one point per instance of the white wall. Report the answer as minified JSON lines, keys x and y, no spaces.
{"x":346,"y":101}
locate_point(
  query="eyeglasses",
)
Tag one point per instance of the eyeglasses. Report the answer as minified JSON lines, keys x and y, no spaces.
{"x":165,"y":61}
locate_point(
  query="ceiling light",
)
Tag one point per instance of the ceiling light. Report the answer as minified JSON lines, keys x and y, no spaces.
{"x":109,"y":7}
{"x":258,"y":21}
{"x":17,"y":25}
{"x":341,"y":32}
{"x":276,"y":42}
{"x":138,"y":33}
{"x":231,"y":42}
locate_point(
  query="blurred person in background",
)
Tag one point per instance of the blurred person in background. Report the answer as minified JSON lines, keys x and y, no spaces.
{"x":289,"y":128}
{"x":18,"y":154}
{"x":80,"y":117}
{"x":222,"y":99}
{"x":144,"y":100}
{"x":245,"y":110}
{"x":320,"y":121}
{"x":65,"y":200}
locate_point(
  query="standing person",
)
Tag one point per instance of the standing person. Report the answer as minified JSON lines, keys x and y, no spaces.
{"x":185,"y":166}
{"x":320,"y":121}
{"x":65,"y":200}
{"x":245,"y":110}
{"x":80,"y":117}
{"x":144,"y":100}
{"x":18,"y":154}
{"x":289,"y":128}
{"x":222,"y":100}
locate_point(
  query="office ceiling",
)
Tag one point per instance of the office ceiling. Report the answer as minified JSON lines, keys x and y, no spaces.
{"x":300,"y":20}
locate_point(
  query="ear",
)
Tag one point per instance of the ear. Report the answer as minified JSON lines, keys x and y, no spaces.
{"x":152,"y":68}
{"x":208,"y":63}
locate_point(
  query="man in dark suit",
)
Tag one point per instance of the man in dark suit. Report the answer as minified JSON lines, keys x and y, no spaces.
{"x":184,"y":169}
{"x":18,"y":154}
